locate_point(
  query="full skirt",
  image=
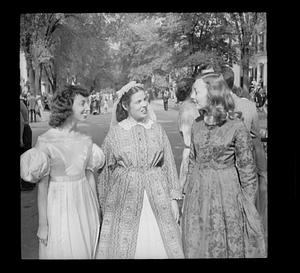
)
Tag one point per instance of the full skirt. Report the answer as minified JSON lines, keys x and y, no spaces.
{"x":73,"y":221}
{"x":219,"y":220}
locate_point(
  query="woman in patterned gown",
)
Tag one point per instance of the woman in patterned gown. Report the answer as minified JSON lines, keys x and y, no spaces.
{"x":219,"y":215}
{"x":62,"y":162}
{"x":138,"y":186}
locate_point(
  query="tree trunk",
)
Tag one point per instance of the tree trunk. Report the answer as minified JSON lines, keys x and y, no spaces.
{"x":31,"y":75}
{"x":37,"y":81}
{"x":49,"y":79}
{"x":245,"y":67}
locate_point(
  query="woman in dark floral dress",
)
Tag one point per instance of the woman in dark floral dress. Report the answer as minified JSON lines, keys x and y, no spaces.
{"x":219,"y":215}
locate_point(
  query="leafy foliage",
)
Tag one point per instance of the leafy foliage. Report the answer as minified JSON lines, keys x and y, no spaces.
{"x":102,"y":50}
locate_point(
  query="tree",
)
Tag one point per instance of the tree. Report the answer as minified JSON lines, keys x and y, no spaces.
{"x":198,"y":39}
{"x":36,"y":40}
{"x":153,"y":55}
{"x":245,"y":27}
{"x":82,"y":55}
{"x":61,"y":47}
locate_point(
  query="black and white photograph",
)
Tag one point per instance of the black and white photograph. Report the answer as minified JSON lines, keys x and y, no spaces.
{"x":143,"y":135}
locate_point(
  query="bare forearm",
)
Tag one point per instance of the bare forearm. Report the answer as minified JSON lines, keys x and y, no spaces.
{"x":42,"y":200}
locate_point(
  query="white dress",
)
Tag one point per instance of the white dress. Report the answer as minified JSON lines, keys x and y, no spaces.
{"x":72,"y":205}
{"x":149,"y":241}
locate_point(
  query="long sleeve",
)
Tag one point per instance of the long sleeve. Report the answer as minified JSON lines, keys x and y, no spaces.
{"x":169,"y":168}
{"x":103,"y":181}
{"x":191,"y":160}
{"x":186,"y":122}
{"x":245,"y":162}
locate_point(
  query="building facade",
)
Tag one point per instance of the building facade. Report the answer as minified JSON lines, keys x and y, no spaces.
{"x":258,"y":64}
{"x":259,"y":60}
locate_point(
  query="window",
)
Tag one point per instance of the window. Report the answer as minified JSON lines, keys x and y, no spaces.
{"x":261,"y":42}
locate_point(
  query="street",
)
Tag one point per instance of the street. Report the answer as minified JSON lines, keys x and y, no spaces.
{"x":97,"y":127}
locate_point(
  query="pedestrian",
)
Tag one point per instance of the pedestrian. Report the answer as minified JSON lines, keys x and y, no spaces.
{"x":45,"y":103}
{"x":39,"y":108}
{"x":166,"y":96}
{"x":91,"y":101}
{"x":25,"y":140}
{"x":151,"y":96}
{"x":105,"y":104}
{"x":188,"y":112}
{"x":32,"y":107}
{"x":263,"y":96}
{"x":138,"y":186}
{"x":98,"y":97}
{"x":251,"y":120}
{"x":219,"y":215}
{"x":62,"y":163}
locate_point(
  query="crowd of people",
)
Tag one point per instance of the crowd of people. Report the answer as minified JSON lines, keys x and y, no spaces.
{"x":258,"y":94}
{"x":124,"y":200}
{"x":36,"y":105}
{"x":98,"y":103}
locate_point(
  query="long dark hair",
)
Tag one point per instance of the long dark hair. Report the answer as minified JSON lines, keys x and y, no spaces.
{"x":184,"y":88}
{"x":220,"y":102}
{"x":121,"y":112}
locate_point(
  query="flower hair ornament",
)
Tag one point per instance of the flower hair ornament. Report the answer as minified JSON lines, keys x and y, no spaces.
{"x":120,"y":93}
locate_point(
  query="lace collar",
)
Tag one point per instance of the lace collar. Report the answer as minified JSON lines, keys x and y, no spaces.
{"x":128,"y":123}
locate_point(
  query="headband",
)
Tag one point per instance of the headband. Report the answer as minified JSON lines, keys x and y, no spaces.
{"x":126,"y":88}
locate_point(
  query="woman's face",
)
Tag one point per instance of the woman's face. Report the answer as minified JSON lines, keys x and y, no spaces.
{"x":199,"y":93}
{"x":80,"y":108}
{"x":138,"y":106}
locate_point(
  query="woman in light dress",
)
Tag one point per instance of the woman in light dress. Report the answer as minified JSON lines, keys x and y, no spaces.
{"x":138,"y":186}
{"x":220,"y":219}
{"x":62,"y":163}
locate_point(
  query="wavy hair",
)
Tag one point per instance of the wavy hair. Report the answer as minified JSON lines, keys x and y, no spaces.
{"x":121,"y":112}
{"x":220,"y":103}
{"x":62,"y":103}
{"x":184,"y":88}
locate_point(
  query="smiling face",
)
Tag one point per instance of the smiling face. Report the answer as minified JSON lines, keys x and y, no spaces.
{"x":80,"y":108}
{"x":199,"y":93}
{"x":138,"y":106}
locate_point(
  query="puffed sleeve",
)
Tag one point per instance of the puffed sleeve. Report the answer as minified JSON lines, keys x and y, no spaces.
{"x":34,"y":165}
{"x":245,"y":162}
{"x":96,"y":159}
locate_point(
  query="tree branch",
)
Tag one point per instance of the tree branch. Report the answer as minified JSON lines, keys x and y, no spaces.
{"x":233,"y":16}
{"x":48,"y":27}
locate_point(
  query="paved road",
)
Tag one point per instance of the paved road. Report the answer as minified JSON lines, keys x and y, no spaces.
{"x":96,"y":126}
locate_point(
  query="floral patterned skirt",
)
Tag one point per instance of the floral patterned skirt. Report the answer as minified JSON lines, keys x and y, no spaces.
{"x":219,"y":221}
